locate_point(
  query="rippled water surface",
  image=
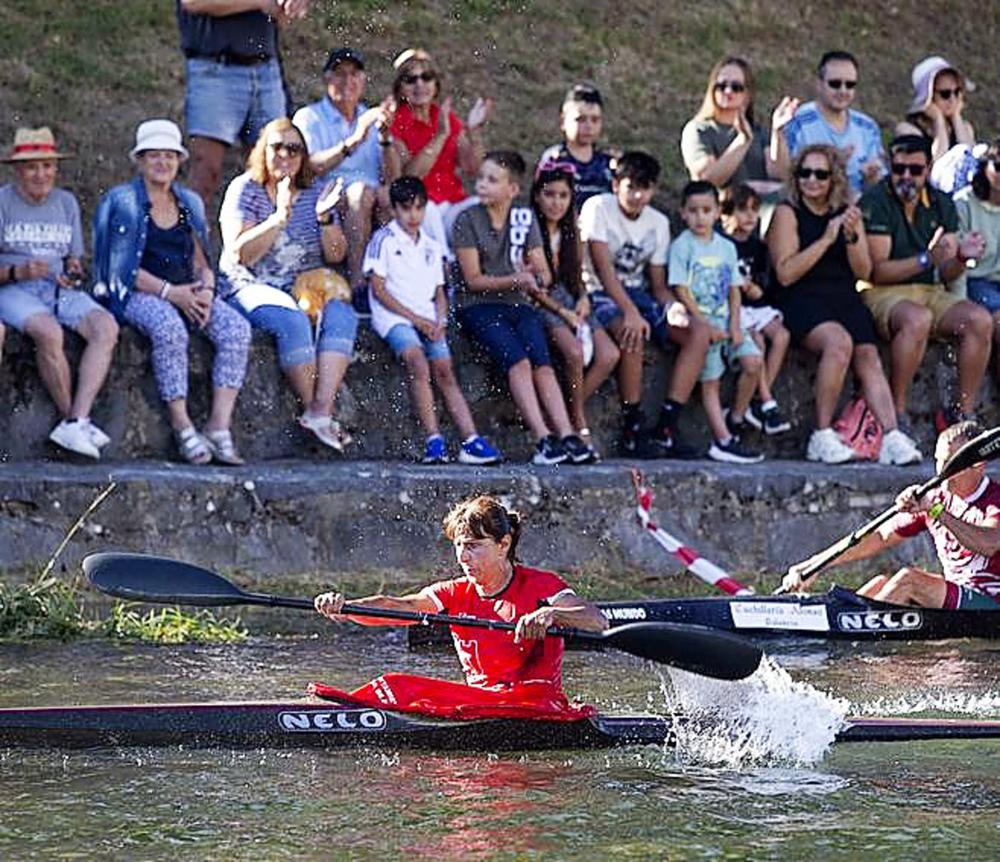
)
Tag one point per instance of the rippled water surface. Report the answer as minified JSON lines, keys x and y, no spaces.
{"x":773,"y":789}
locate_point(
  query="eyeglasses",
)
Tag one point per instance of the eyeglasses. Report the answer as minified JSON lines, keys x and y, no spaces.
{"x":291,"y":148}
{"x":426,"y":77}
{"x":732,"y":86}
{"x":838,"y":83}
{"x":946,"y":92}
{"x":913,"y":170}
{"x":820,"y":173}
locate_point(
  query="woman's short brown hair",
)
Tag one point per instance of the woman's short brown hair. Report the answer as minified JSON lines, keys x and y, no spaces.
{"x":257,"y":160}
{"x":839,"y":195}
{"x":404,"y":64}
{"x":483,"y":517}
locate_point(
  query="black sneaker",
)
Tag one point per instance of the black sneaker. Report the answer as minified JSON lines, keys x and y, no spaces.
{"x":770,"y":421}
{"x":737,"y":429}
{"x":734,"y":452}
{"x":577,"y":450}
{"x":672,"y":444}
{"x":639,"y":443}
{"x":549,"y":451}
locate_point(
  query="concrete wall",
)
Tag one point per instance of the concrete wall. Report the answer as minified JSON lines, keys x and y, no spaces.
{"x":375,"y":403}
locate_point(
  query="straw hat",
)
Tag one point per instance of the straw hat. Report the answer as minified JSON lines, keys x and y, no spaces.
{"x":158,"y":135}
{"x":32,"y":144}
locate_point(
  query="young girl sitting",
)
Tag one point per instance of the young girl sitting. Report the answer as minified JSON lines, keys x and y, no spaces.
{"x":568,"y":318}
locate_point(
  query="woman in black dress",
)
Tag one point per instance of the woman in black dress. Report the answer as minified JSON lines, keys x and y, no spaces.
{"x":818,"y":246}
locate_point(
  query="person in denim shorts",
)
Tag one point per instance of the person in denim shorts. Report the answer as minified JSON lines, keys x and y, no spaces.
{"x":235,"y":84}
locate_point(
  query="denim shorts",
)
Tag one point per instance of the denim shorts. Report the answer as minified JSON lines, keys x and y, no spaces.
{"x":508,"y":333}
{"x":275,"y":311}
{"x":607,"y":312}
{"x":228,"y":103}
{"x":403,"y":336}
{"x":984,"y":292}
{"x":959,"y":597}
{"x":722,"y":355}
{"x":25,"y":299}
{"x":566,"y":300}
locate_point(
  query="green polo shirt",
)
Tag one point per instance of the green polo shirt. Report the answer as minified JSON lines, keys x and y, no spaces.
{"x":884,"y":215}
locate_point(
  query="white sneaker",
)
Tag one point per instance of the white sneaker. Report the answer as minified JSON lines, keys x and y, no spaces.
{"x":826,"y":446}
{"x":898,"y":449}
{"x":73,"y":437}
{"x":96,"y":435}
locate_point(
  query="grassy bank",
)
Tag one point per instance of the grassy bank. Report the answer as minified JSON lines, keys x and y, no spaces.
{"x":93,"y":70}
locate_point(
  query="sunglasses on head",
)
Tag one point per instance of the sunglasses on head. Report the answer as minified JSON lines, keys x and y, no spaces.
{"x":947,"y":93}
{"x":291,"y":148}
{"x":819,"y":173}
{"x":426,"y":77}
{"x":732,"y":86}
{"x":838,"y":83}
{"x":913,"y":170}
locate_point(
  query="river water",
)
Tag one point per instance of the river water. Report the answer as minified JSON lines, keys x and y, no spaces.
{"x":772,"y":789}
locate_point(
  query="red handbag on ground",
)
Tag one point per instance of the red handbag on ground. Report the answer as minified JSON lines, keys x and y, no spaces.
{"x":859,"y":429}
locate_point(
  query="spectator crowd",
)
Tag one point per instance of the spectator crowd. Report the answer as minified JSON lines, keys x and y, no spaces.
{"x":813,"y":227}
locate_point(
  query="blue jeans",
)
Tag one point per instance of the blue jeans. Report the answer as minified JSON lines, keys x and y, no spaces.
{"x":403,"y":336}
{"x":508,"y":333}
{"x":229,"y":103}
{"x":984,"y":292}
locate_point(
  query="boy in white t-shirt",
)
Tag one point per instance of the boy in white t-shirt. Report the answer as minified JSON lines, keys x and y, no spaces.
{"x":625,"y":274}
{"x":705,"y":275}
{"x":410,"y":311}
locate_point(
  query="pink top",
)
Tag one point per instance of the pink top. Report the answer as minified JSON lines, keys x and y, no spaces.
{"x":442,"y":180}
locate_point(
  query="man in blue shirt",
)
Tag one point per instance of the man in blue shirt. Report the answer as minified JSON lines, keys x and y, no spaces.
{"x":831,"y":120}
{"x":350,"y":143}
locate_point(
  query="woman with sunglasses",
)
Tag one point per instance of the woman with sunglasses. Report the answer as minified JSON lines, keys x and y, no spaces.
{"x":275,"y":229}
{"x":431,"y":140}
{"x":937,"y":105}
{"x":819,"y":249}
{"x":723,"y":144}
{"x":978,"y":208}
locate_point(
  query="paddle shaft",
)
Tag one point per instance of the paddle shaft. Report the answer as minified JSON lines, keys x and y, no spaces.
{"x":984,"y":447}
{"x":413,"y":616}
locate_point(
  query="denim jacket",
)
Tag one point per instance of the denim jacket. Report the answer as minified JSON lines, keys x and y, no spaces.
{"x":120,"y":226}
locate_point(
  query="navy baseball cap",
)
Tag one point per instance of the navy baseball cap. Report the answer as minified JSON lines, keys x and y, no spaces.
{"x":339,"y":55}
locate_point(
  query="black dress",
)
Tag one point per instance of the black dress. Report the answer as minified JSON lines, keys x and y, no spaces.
{"x":827,"y":291}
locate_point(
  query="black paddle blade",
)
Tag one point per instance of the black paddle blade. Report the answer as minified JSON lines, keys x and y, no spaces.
{"x":985,"y":447}
{"x":697,"y":649}
{"x":141,"y":578}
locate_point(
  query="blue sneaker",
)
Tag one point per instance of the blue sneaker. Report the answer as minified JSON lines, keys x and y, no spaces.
{"x":478,"y":450}
{"x":435,"y":452}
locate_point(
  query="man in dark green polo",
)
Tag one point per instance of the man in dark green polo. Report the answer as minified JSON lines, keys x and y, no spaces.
{"x":915,"y":250}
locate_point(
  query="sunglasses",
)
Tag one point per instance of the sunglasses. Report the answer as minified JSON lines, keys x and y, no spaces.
{"x":292,"y":148}
{"x":947,"y":93}
{"x":912,"y":170}
{"x":819,"y":173}
{"x":426,"y":77}
{"x":838,"y":83}
{"x":732,"y":86}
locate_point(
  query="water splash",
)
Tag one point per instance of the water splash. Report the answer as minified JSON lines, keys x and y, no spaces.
{"x":982,"y":705}
{"x":766,"y":718}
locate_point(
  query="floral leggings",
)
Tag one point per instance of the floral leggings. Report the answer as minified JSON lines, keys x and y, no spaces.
{"x":167,"y":328}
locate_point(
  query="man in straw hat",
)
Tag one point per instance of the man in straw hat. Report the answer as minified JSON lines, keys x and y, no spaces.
{"x":41,"y":243}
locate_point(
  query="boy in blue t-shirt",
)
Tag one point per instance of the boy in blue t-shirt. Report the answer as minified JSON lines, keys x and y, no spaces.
{"x":581,"y":119}
{"x":704,"y":273}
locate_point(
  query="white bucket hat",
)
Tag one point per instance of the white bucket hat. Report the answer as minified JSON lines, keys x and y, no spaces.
{"x":923,"y":76}
{"x":157,"y":135}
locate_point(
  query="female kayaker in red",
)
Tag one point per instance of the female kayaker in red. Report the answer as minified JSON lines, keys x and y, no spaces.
{"x":506,"y":673}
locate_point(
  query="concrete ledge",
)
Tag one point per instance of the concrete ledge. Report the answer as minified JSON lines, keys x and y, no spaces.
{"x":381,"y":521}
{"x":375,"y":402}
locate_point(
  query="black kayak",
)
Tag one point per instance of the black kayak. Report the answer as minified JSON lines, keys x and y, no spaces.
{"x":316,"y":724}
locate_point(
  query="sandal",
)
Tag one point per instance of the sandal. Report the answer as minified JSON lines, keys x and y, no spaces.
{"x":194,"y":448}
{"x":222,"y":447}
{"x":327,"y":430}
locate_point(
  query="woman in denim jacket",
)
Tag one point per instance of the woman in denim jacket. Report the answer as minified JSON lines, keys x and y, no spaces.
{"x":151,"y":251}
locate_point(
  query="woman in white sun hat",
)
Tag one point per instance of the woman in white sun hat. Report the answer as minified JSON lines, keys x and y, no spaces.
{"x":937,"y":105}
{"x":151,"y":260}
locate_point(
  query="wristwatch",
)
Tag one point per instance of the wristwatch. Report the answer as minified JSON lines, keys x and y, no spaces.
{"x":924,"y":259}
